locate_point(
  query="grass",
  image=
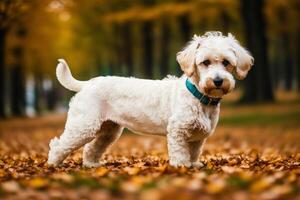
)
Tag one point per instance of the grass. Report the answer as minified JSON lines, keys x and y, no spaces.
{"x":258,"y":118}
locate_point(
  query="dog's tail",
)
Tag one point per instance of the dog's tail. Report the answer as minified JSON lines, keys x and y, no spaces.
{"x":65,"y":77}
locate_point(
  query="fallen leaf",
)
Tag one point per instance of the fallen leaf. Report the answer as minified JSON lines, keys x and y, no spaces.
{"x":10,"y":186}
{"x":101,"y":171}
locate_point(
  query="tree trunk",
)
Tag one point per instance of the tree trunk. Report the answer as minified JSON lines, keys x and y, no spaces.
{"x":2,"y":72}
{"x":275,"y":63}
{"x":127,"y":48}
{"x":258,"y":84}
{"x":17,"y":91}
{"x":165,"y":48}
{"x":296,"y":5}
{"x":38,"y":94}
{"x":147,"y":32}
{"x":18,"y":76}
{"x":225,"y":21}
{"x":185,"y":27}
{"x":285,"y":52}
{"x":116,"y":61}
{"x":288,"y":68}
{"x":51,"y":97}
{"x":298,"y":60}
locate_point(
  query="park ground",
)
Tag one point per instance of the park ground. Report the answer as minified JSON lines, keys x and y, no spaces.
{"x":254,"y":154}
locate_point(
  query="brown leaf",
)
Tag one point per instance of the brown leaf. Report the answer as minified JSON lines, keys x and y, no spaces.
{"x":132,"y":170}
{"x":101,"y":171}
{"x":262,"y":184}
{"x":10,"y":186}
{"x":38,"y":183}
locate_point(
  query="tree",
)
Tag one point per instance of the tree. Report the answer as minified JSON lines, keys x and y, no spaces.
{"x":2,"y":71}
{"x":185,"y":28}
{"x":5,"y":10}
{"x":258,"y":84}
{"x":17,"y":73}
{"x":10,"y":11}
{"x":127,"y":53}
{"x":165,"y":48}
{"x":147,"y":34}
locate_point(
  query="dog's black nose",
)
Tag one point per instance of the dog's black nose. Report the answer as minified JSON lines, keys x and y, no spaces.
{"x":218,"y":81}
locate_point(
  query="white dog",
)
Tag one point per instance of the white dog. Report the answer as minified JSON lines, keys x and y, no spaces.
{"x":185,"y":110}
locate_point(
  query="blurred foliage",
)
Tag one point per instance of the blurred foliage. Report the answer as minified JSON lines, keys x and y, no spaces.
{"x":87,"y":33}
{"x":128,"y":38}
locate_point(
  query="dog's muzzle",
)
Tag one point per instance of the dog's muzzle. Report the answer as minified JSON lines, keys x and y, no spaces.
{"x":217,"y":85}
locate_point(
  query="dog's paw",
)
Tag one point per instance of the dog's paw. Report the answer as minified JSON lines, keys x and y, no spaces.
{"x":198,"y":164}
{"x":92,"y":164}
{"x":180,"y":164}
{"x":53,"y":162}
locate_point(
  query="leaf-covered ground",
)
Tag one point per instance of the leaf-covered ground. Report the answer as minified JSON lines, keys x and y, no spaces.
{"x":254,"y":154}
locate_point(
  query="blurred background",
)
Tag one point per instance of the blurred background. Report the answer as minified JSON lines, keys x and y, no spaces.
{"x":255,"y":152}
{"x":138,"y":38}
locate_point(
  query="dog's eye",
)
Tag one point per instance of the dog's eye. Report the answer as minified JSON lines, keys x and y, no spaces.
{"x":206,"y":62}
{"x":225,"y":63}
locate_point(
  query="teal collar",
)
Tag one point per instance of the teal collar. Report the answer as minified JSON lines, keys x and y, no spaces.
{"x":202,"y":98}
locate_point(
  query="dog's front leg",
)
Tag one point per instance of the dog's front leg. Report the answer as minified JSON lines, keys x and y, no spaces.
{"x":205,"y":126}
{"x":178,"y":149}
{"x":195,"y":151}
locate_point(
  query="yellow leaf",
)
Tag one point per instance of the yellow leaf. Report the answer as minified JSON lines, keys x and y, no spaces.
{"x":38,"y":183}
{"x":178,"y":181}
{"x":215,"y":186}
{"x":292,"y":177}
{"x":132,"y":170}
{"x":101,"y":171}
{"x":2,"y":173}
{"x":262,"y":184}
{"x":150,"y":194}
{"x":63,"y":176}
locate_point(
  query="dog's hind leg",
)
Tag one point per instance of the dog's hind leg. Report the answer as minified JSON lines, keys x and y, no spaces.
{"x":82,"y":126}
{"x":92,"y":151}
{"x":69,"y":141}
{"x":66,"y":144}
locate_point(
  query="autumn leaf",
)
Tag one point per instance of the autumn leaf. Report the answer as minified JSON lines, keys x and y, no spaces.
{"x":101,"y":171}
{"x":37,"y":183}
{"x":240,"y":164}
{"x":262,"y":184}
{"x":10,"y":186}
{"x":215,"y":186}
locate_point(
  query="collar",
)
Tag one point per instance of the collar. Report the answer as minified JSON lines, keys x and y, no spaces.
{"x":206,"y":100}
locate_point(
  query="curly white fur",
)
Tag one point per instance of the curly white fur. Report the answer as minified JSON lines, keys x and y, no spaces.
{"x":104,"y":105}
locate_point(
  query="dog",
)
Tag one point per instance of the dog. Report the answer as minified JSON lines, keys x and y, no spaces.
{"x":185,"y":110}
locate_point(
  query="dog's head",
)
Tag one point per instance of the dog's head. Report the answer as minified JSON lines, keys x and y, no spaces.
{"x":213,"y":60}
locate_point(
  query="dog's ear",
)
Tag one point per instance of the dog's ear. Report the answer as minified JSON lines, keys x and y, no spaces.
{"x":186,"y":57}
{"x":244,"y":58}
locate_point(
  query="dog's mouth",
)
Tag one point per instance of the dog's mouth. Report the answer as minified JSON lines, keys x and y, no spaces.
{"x":211,"y":90}
{"x":216,"y":92}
